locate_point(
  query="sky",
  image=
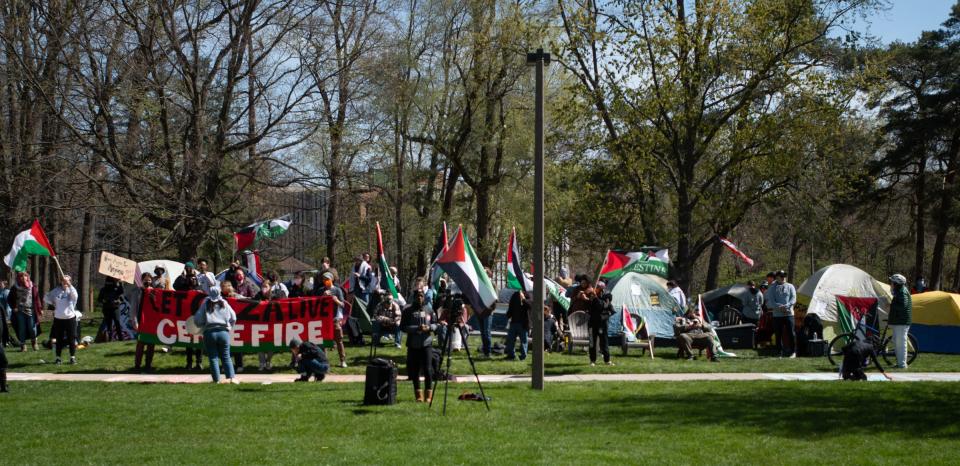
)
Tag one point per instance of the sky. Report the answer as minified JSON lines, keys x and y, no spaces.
{"x":906,"y":19}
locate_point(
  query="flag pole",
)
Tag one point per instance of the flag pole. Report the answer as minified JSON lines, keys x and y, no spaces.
{"x":59,"y":269}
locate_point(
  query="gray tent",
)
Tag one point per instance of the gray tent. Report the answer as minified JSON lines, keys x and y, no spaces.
{"x":737,"y":296}
{"x":644,"y":296}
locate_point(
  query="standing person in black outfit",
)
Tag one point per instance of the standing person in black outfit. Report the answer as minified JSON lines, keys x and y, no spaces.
{"x":518,"y":313}
{"x":110,"y":298}
{"x":600,"y":310}
{"x":419,"y":322}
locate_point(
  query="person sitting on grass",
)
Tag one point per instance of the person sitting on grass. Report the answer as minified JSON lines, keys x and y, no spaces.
{"x":692,"y":333}
{"x":551,"y":329}
{"x":311,"y":360}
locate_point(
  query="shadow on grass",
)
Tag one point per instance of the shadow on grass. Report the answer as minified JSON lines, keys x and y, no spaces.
{"x":792,"y":410}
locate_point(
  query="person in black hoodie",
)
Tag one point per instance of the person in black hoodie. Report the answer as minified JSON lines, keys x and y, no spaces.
{"x":311,"y":360}
{"x":110,"y":298}
{"x":419,"y":322}
{"x":518,"y":313}
{"x":599,"y":310}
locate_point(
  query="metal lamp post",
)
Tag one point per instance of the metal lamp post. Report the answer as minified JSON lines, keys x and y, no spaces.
{"x":539,"y":60}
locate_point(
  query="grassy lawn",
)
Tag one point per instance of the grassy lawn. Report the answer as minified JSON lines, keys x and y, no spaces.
{"x":583,"y":423}
{"x":118,"y":357}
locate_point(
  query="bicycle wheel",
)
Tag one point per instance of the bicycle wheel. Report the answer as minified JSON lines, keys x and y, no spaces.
{"x":835,"y":353}
{"x":889,"y":351}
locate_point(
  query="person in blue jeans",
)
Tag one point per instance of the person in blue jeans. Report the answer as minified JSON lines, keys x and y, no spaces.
{"x":311,"y":360}
{"x":485,"y":321}
{"x":518,"y":313}
{"x":217,"y":318}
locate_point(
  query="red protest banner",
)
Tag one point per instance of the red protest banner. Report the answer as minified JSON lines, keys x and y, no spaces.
{"x":261,"y":325}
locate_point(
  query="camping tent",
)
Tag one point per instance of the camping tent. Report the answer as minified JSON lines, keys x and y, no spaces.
{"x":737,"y":296}
{"x":936,"y":322}
{"x":819,"y":292}
{"x":644,"y":295}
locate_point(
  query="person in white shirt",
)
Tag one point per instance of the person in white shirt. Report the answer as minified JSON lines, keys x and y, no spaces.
{"x":205,"y":278}
{"x":678,"y":295}
{"x":64,"y":300}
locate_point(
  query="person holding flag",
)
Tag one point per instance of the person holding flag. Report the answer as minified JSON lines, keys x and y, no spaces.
{"x":64,"y":301}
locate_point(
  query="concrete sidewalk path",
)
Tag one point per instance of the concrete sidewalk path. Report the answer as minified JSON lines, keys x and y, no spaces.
{"x":334,"y":378}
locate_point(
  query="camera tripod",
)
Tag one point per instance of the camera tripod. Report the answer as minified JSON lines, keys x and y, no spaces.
{"x":445,"y":354}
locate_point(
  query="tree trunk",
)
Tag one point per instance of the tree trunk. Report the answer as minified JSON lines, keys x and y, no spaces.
{"x":684,"y":263}
{"x":956,"y":273}
{"x":449,"y":189}
{"x":399,"y":146}
{"x":795,"y":245}
{"x":920,"y":219}
{"x":484,"y":249}
{"x":943,"y":222}
{"x":330,"y":227}
{"x":713,"y":268}
{"x":84,"y":282}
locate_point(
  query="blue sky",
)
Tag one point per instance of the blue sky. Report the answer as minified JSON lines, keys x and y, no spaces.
{"x":906,"y":19}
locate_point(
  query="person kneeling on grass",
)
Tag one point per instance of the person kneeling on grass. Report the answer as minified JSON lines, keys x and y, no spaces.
{"x":693,"y":333}
{"x":217,"y":318}
{"x":311,"y":360}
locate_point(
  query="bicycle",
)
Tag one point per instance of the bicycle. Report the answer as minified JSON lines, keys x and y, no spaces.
{"x":882,"y":344}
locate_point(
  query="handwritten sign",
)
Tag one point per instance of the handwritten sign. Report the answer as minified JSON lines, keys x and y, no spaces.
{"x":117,"y":267}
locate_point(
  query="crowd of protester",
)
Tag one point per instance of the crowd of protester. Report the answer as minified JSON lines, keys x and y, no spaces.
{"x":426,"y":315}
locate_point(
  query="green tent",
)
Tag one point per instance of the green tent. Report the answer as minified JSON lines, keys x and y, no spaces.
{"x":358,"y":310}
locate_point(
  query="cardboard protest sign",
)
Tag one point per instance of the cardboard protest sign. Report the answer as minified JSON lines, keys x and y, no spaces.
{"x":117,"y":267}
{"x":261,"y":325}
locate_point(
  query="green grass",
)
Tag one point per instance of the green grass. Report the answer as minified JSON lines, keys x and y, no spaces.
{"x":118,"y":357}
{"x":584,"y":423}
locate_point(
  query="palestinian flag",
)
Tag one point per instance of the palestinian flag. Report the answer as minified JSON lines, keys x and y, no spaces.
{"x":465,"y":269}
{"x":32,"y":242}
{"x":557,"y":292}
{"x":628,"y":324}
{"x":516,"y":280}
{"x":736,"y":251}
{"x":618,"y":263}
{"x":442,"y":245}
{"x":386,"y":278}
{"x":850,"y":311}
{"x":251,"y":261}
{"x":247,"y":236}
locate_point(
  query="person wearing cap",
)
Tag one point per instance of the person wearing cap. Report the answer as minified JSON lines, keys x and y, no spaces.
{"x":900,"y":317}
{"x":419,"y":322}
{"x":518,"y":313}
{"x":677,"y":293}
{"x":326,"y":288}
{"x":216,"y":318}
{"x":780,"y":298}
{"x":599,"y":310}
{"x":310,"y":360}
